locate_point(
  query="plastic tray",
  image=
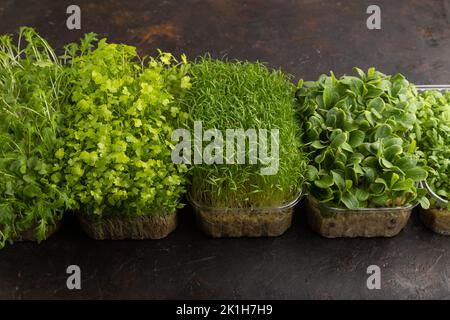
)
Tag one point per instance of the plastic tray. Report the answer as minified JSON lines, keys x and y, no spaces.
{"x":436,"y":218}
{"x":332,"y":222}
{"x":244,"y":222}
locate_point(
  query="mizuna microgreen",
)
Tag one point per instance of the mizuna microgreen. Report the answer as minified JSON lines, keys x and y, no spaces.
{"x":33,"y":87}
{"x":357,"y":131}
{"x":118,"y":129}
{"x":243,"y":95}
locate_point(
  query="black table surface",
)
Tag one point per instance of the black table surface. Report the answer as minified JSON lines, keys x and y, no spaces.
{"x":305,"y":38}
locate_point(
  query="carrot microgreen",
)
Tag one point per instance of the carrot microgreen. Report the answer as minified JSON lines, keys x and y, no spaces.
{"x":243,"y":95}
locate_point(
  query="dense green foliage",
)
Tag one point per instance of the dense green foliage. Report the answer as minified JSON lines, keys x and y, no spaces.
{"x":118,"y":130}
{"x":357,"y":131}
{"x":433,"y":139}
{"x":92,"y":131}
{"x":33,"y":87}
{"x":244,"y":95}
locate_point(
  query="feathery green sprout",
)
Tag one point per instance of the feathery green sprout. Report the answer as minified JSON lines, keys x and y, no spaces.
{"x":244,"y":95}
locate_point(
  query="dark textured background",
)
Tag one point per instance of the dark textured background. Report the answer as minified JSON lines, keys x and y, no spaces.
{"x":305,"y":38}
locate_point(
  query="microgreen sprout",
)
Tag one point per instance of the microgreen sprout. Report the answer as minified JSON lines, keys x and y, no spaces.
{"x":358,"y":132}
{"x":433,"y":140}
{"x":117,"y":129}
{"x":243,"y":95}
{"x":33,"y":88}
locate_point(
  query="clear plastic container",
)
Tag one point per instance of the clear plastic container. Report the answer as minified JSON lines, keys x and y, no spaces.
{"x":244,"y":222}
{"x":437,"y":218}
{"x":334,"y":222}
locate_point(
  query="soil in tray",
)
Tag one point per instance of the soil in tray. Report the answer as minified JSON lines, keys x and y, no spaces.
{"x":137,"y":228}
{"x":354,"y":223}
{"x":437,"y":220}
{"x":30,"y":234}
{"x":249,"y":223}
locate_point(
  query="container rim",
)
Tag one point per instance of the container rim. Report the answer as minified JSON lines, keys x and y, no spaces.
{"x":285,"y":206}
{"x":425,"y":87}
{"x":381,"y":209}
{"x":433,"y":194}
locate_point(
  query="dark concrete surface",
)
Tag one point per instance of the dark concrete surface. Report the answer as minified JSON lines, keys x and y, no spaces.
{"x":187,"y":264}
{"x":304,"y":38}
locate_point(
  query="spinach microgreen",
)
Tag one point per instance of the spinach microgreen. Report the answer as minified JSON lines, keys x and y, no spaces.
{"x":357,"y":130}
